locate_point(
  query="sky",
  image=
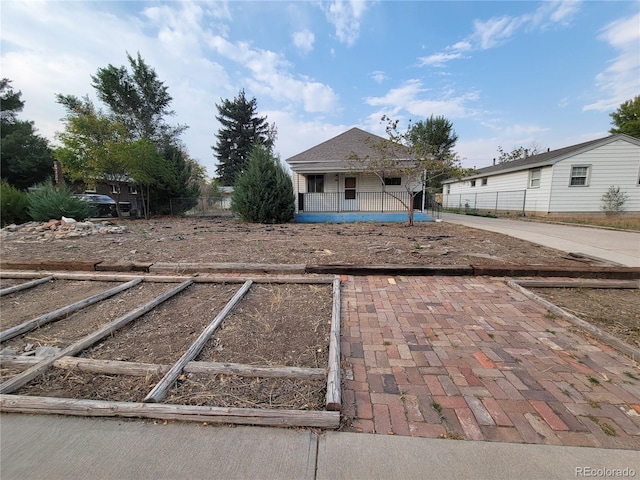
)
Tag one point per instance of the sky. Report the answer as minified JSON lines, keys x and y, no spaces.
{"x":504,"y":73}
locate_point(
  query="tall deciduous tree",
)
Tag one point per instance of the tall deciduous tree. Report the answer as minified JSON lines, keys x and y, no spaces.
{"x":437,"y":138}
{"x":26,"y":158}
{"x":241,"y":130}
{"x":627,"y":118}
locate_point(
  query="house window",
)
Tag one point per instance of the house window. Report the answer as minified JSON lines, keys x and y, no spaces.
{"x":315,"y":183}
{"x":349,"y":188}
{"x":133,"y":190}
{"x":115,"y":188}
{"x":448,"y":189}
{"x":534,"y":177}
{"x":579,"y":176}
{"x":473,"y":183}
{"x":484,"y":181}
{"x":392,"y":181}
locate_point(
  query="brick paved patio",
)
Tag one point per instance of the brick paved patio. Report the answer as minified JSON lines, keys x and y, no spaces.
{"x":467,"y":357}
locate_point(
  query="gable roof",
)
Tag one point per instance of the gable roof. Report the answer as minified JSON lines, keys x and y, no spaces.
{"x":547,"y":158}
{"x":337,"y":153}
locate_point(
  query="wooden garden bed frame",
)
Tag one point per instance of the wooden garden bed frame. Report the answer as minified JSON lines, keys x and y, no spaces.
{"x":521,"y":286}
{"x":150,"y":408}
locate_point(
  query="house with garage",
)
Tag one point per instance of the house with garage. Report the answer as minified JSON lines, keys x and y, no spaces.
{"x":569,"y":181}
{"x":333,"y":184}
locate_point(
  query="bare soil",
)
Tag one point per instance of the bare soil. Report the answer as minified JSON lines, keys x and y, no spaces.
{"x":284,"y":325}
{"x":214,"y":240}
{"x":617,"y":312}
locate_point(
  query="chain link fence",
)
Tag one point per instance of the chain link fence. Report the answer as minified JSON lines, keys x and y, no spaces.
{"x":495,"y":202}
{"x":201,"y":207}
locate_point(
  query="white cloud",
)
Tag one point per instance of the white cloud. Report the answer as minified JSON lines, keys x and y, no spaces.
{"x":345,"y":16}
{"x":496,"y":31}
{"x":411,"y":97}
{"x":378,"y":76}
{"x":620,"y":80}
{"x":303,"y":40}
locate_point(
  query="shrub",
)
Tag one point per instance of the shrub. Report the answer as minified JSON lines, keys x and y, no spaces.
{"x":263,"y":193}
{"x":13,"y":205}
{"x":49,"y":202}
{"x":613,"y":201}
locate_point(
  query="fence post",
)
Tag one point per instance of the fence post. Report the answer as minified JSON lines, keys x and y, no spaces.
{"x":524,"y":203}
{"x":475,"y":202}
{"x":496,"y":210}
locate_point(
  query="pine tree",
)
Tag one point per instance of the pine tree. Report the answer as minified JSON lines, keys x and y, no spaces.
{"x":263,"y":192}
{"x":241,"y":130}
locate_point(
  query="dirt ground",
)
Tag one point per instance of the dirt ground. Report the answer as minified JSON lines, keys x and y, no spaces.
{"x":213,"y":240}
{"x":277,"y":325}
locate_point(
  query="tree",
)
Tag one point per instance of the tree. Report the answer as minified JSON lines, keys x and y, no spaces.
{"x":26,"y":158}
{"x":263,"y":192}
{"x":241,"y":130}
{"x":400,"y":155}
{"x":627,"y":118}
{"x":518,"y":153}
{"x":435,"y":137}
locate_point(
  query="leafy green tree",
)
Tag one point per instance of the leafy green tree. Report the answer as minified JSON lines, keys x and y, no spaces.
{"x":13,"y":204}
{"x":613,"y":201}
{"x":25,"y":157}
{"x":263,"y":192}
{"x":627,"y":118}
{"x":436,"y":137}
{"x":241,"y":130}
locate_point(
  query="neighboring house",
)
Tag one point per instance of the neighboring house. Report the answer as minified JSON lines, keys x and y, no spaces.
{"x":567,"y":181}
{"x":331,"y":186}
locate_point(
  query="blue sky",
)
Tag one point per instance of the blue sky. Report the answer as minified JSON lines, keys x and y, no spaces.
{"x":510,"y":74}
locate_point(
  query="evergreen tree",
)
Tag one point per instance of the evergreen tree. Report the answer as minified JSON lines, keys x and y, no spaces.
{"x":26,"y":158}
{"x":241,"y":130}
{"x":263,"y":192}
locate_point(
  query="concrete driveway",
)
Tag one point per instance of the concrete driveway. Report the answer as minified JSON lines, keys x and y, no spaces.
{"x":611,"y":245}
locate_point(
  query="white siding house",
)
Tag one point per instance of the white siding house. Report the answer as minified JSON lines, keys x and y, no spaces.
{"x":332,"y":183}
{"x":567,"y":181}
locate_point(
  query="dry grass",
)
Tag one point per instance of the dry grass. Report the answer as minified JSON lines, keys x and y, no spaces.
{"x":620,"y":222}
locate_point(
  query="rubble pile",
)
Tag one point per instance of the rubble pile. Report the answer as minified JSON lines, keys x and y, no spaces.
{"x":60,"y":229}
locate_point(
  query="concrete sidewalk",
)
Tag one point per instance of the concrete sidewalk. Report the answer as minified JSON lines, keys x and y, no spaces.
{"x":611,"y":245}
{"x":52,"y":447}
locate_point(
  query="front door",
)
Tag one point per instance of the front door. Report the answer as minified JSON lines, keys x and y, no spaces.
{"x":350,"y":198}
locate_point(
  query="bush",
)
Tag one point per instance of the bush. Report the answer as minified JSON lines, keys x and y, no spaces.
{"x":13,"y":205}
{"x":613,"y":201}
{"x":263,"y":193}
{"x":48,"y":202}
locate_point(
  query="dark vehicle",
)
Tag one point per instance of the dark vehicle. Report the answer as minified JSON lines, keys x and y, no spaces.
{"x":104,"y":205}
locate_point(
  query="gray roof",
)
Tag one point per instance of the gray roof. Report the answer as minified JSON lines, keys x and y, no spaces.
{"x":337,"y":154}
{"x":547,"y":158}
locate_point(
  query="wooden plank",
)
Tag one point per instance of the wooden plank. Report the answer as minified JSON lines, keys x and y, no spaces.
{"x":19,"y":380}
{"x":424,"y":270}
{"x":64,"y":311}
{"x":617,"y":284}
{"x":106,"y":277}
{"x":333,"y":398}
{"x":254,"y":371}
{"x":49,"y":264}
{"x":22,"y":274}
{"x":266,"y":268}
{"x":601,"y":335}
{"x":619,"y":273}
{"x":305,"y":279}
{"x":160,"y":390}
{"x":24,"y":286}
{"x":117,"y":367}
{"x":190,"y":413}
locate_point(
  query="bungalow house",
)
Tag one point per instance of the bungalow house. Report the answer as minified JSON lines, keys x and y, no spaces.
{"x":333,"y":185}
{"x":563,"y":182}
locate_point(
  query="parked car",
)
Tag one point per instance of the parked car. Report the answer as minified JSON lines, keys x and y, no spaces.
{"x":104,"y":205}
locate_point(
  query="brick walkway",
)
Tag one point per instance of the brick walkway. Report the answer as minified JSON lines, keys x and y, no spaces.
{"x":460,"y":357}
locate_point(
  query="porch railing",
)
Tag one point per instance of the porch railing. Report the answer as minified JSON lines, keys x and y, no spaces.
{"x":382,"y":202}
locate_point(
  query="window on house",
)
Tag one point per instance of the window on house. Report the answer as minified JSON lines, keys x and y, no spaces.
{"x":473,"y":183}
{"x":484,"y":181}
{"x":115,"y":188}
{"x":315,"y":183}
{"x":448,"y":189}
{"x":534,"y":177}
{"x":133,"y":190}
{"x":393,"y":181}
{"x":579,"y":176}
